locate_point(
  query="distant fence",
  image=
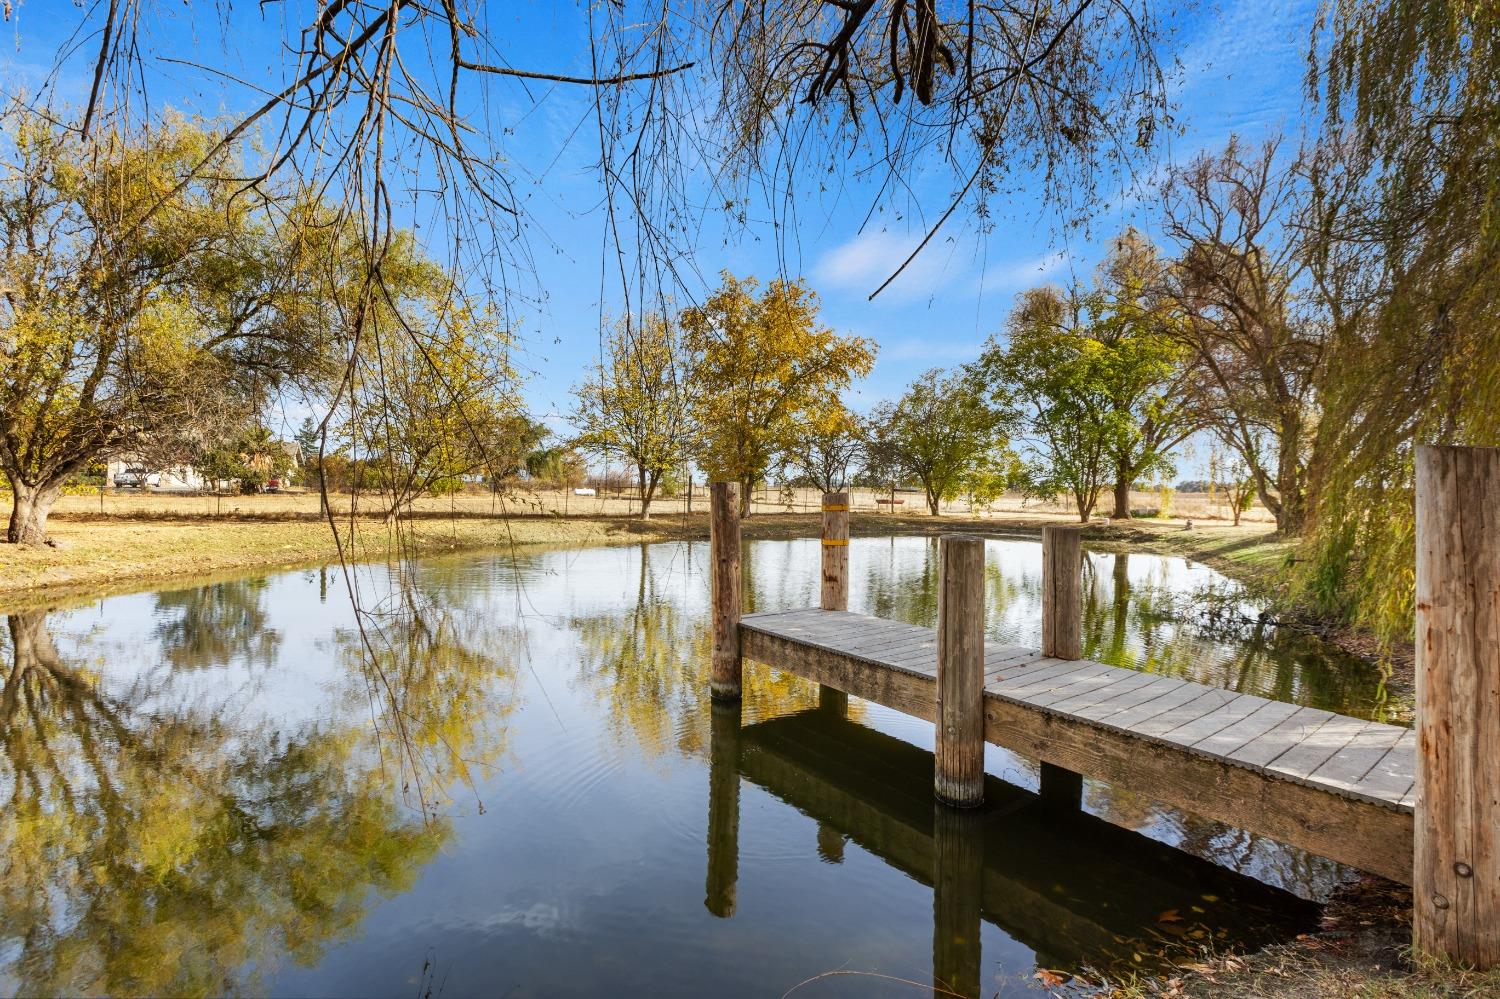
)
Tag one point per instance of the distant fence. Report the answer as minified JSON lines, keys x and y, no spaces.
{"x":523,"y":499}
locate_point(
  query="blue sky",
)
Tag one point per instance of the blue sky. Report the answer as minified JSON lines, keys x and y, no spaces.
{"x":1242,"y":65}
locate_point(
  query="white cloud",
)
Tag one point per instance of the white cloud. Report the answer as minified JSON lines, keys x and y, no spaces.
{"x":1027,"y":272}
{"x":862,"y":263}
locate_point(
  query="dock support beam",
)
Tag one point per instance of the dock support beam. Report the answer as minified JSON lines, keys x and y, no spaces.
{"x":1062,"y":592}
{"x":959,"y":758}
{"x":834,"y":591}
{"x":1456,"y":861}
{"x":724,"y":588}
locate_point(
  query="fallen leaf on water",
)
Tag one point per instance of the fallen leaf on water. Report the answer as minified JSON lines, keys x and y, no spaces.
{"x":1050,"y":979}
{"x":1170,"y":916}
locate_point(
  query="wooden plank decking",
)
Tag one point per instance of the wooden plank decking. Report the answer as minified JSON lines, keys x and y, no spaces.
{"x":1340,"y":787}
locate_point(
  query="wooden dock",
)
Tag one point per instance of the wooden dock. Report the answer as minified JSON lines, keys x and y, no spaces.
{"x":1421,"y":806}
{"x":1299,"y":775}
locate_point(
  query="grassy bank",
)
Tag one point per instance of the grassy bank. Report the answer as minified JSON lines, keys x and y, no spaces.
{"x":113,"y":553}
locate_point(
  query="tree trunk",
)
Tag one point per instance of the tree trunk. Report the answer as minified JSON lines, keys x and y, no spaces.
{"x":746,"y":485}
{"x":1084,"y":501}
{"x":933,"y":502}
{"x":1122,"y":495}
{"x":647,"y":490}
{"x":28,"y":514}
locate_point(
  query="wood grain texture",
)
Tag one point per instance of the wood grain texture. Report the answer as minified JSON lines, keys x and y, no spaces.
{"x":724,"y":588}
{"x":959,"y":755}
{"x":834,"y":593}
{"x":1456,"y":892}
{"x":1062,"y":592}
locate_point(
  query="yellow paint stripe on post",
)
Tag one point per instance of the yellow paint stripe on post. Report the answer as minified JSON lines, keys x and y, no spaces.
{"x":835,"y":542}
{"x":834,"y":509}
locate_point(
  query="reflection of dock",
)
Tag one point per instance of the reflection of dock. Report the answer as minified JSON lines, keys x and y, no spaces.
{"x":1074,"y":888}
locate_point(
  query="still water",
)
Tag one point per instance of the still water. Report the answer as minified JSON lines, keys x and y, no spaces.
{"x":504,"y":778}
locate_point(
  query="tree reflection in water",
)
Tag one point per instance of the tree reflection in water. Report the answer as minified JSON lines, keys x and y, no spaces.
{"x":156,"y":842}
{"x":648,"y":663}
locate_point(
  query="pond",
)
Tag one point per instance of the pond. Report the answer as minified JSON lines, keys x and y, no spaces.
{"x":504,"y":776}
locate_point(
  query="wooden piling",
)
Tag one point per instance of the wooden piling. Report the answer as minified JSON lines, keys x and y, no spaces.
{"x":959,"y":758}
{"x":723,"y":810}
{"x":724,"y":587}
{"x":834,"y":592}
{"x":1062,"y":592}
{"x":835,"y":589}
{"x":1456,"y":861}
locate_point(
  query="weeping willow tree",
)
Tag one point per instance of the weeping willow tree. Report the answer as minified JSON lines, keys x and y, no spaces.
{"x":1403,"y":237}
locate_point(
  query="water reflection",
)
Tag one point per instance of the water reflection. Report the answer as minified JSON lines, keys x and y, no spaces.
{"x":156,"y":843}
{"x":1081,"y":892}
{"x":504,"y":773}
{"x":1152,"y":613}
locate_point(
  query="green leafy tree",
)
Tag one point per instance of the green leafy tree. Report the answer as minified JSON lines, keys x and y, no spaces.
{"x":820,"y":450}
{"x":762,"y":365}
{"x":432,"y":395}
{"x":1100,"y":375}
{"x":945,"y":432}
{"x":636,"y":403}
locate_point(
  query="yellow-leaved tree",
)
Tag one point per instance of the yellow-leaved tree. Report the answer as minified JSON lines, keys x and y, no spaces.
{"x":763,"y":366}
{"x":139,"y":296}
{"x":635,"y":404}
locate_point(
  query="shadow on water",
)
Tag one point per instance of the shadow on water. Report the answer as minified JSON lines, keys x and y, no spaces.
{"x":1083,"y":894}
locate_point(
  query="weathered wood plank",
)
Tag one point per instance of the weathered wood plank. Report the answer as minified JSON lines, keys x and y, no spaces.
{"x":1074,"y":683}
{"x":1299,"y":761}
{"x":1236,"y":709}
{"x":1124,"y":680}
{"x":1264,"y":719}
{"x":1149,"y":691}
{"x":1169,"y":700}
{"x":1347,"y":767}
{"x":1262,"y":749}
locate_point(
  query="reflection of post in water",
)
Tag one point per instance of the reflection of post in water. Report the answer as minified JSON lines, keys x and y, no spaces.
{"x":957,"y":886}
{"x":723,"y":808}
{"x":830,"y":844}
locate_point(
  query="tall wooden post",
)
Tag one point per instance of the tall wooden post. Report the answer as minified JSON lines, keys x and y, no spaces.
{"x":1456,"y":866}
{"x":723,"y":810}
{"x":957,"y":884}
{"x":1062,"y":592}
{"x":959,"y":759}
{"x":724,"y":587}
{"x":835,"y":591}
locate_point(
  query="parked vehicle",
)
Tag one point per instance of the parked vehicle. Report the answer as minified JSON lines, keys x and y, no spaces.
{"x":136,"y":478}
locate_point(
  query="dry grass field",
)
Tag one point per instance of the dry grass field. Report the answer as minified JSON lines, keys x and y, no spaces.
{"x":135,"y":540}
